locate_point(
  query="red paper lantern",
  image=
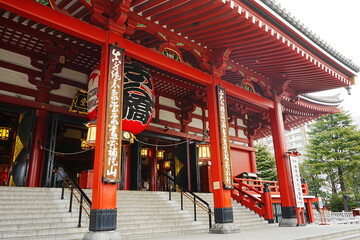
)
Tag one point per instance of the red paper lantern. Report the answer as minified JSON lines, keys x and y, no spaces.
{"x":92,"y":95}
{"x":138,"y":97}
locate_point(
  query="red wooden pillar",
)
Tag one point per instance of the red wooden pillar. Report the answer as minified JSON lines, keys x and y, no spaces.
{"x":310,"y":211}
{"x":283,"y":167}
{"x":223,"y":211}
{"x":36,"y":155}
{"x":103,"y":214}
{"x":39,"y":137}
{"x":127,"y":167}
{"x":153,"y":172}
{"x":252,"y":156}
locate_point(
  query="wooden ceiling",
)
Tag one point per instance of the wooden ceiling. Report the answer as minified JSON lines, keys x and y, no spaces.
{"x":258,"y":47}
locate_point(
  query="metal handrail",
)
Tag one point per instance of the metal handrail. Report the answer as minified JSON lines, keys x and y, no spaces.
{"x":192,"y":196}
{"x":71,"y":184}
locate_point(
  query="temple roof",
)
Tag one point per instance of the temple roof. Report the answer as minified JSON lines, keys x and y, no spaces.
{"x":333,"y":100}
{"x":254,"y":45}
{"x":307,"y":32}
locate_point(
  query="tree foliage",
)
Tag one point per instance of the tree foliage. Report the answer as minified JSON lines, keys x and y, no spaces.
{"x":333,"y":159}
{"x":265,"y":164}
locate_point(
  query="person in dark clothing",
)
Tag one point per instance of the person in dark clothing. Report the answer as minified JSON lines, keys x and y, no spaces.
{"x":60,"y":176}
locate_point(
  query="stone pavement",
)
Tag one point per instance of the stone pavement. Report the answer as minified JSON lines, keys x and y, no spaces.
{"x":276,"y":233}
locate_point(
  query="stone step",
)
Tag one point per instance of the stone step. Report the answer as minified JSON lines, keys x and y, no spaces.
{"x":36,"y":226}
{"x":38,"y":215}
{"x":38,"y":220}
{"x":176,"y":230}
{"x":167,"y":233}
{"x":340,"y":235}
{"x":69,"y":236}
{"x":156,"y":216}
{"x":349,"y":237}
{"x":41,"y":232}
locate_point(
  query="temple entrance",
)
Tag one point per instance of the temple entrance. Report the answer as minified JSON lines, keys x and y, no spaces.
{"x":8,"y":132}
{"x":16,"y":126}
{"x":153,"y":157}
{"x":64,"y":148}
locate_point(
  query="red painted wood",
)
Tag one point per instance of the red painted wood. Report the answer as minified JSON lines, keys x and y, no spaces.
{"x":173,"y":12}
{"x":148,"y":56}
{"x":252,"y":156}
{"x":240,"y":160}
{"x":152,"y":173}
{"x":222,"y":197}
{"x":282,"y":162}
{"x":36,"y":155}
{"x":127,"y":167}
{"x":104,"y":195}
{"x":247,"y":96}
{"x":195,"y":14}
{"x":49,"y":17}
{"x":37,"y":105}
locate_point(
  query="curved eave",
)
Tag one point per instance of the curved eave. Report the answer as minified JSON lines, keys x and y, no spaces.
{"x":321,"y":100}
{"x":256,"y":44}
{"x":305,"y":34}
{"x":305,"y":108}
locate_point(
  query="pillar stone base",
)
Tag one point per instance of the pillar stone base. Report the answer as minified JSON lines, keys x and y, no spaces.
{"x":102,"y":235}
{"x":224,"y":228}
{"x":103,"y":219}
{"x":288,"y":222}
{"x":288,"y":217}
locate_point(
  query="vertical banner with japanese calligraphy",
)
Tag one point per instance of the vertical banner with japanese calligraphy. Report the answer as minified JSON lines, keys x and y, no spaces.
{"x":224,"y":139}
{"x":113,"y":136}
{"x":295,"y":170}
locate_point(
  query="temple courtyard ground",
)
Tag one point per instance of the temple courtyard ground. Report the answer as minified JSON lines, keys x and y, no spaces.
{"x":308,"y":232}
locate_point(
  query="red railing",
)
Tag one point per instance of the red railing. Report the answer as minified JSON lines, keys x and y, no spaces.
{"x":255,"y":197}
{"x":259,"y":186}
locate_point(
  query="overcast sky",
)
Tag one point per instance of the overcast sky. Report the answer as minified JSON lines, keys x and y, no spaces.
{"x":338,"y":24}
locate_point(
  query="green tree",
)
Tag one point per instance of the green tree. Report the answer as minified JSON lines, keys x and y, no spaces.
{"x":265,"y":164}
{"x":333,"y":155}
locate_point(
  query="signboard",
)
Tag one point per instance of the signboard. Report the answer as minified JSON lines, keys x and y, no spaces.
{"x":113,"y":136}
{"x":224,"y":139}
{"x":78,"y":103}
{"x":297,"y":181}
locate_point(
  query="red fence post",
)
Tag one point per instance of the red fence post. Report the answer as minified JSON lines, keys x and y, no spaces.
{"x":266,"y":198}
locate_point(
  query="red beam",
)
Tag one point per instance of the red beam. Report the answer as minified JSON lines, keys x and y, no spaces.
{"x":247,"y":96}
{"x":57,"y":20}
{"x":155,"y":59}
{"x":37,"y":105}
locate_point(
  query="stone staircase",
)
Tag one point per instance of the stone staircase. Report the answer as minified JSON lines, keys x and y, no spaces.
{"x":243,"y":217}
{"x":36,"y":213}
{"x":39,"y":213}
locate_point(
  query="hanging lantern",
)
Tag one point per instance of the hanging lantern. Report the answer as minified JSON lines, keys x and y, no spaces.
{"x":92,"y":94}
{"x":83,"y":144}
{"x":204,"y":154}
{"x":4,"y":133}
{"x":204,"y":151}
{"x":91,"y":134}
{"x":160,"y":154}
{"x":167,"y":164}
{"x":144,"y":153}
{"x":139,"y":97}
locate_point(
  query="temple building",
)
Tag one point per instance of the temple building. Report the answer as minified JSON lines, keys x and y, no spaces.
{"x":175,"y":89}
